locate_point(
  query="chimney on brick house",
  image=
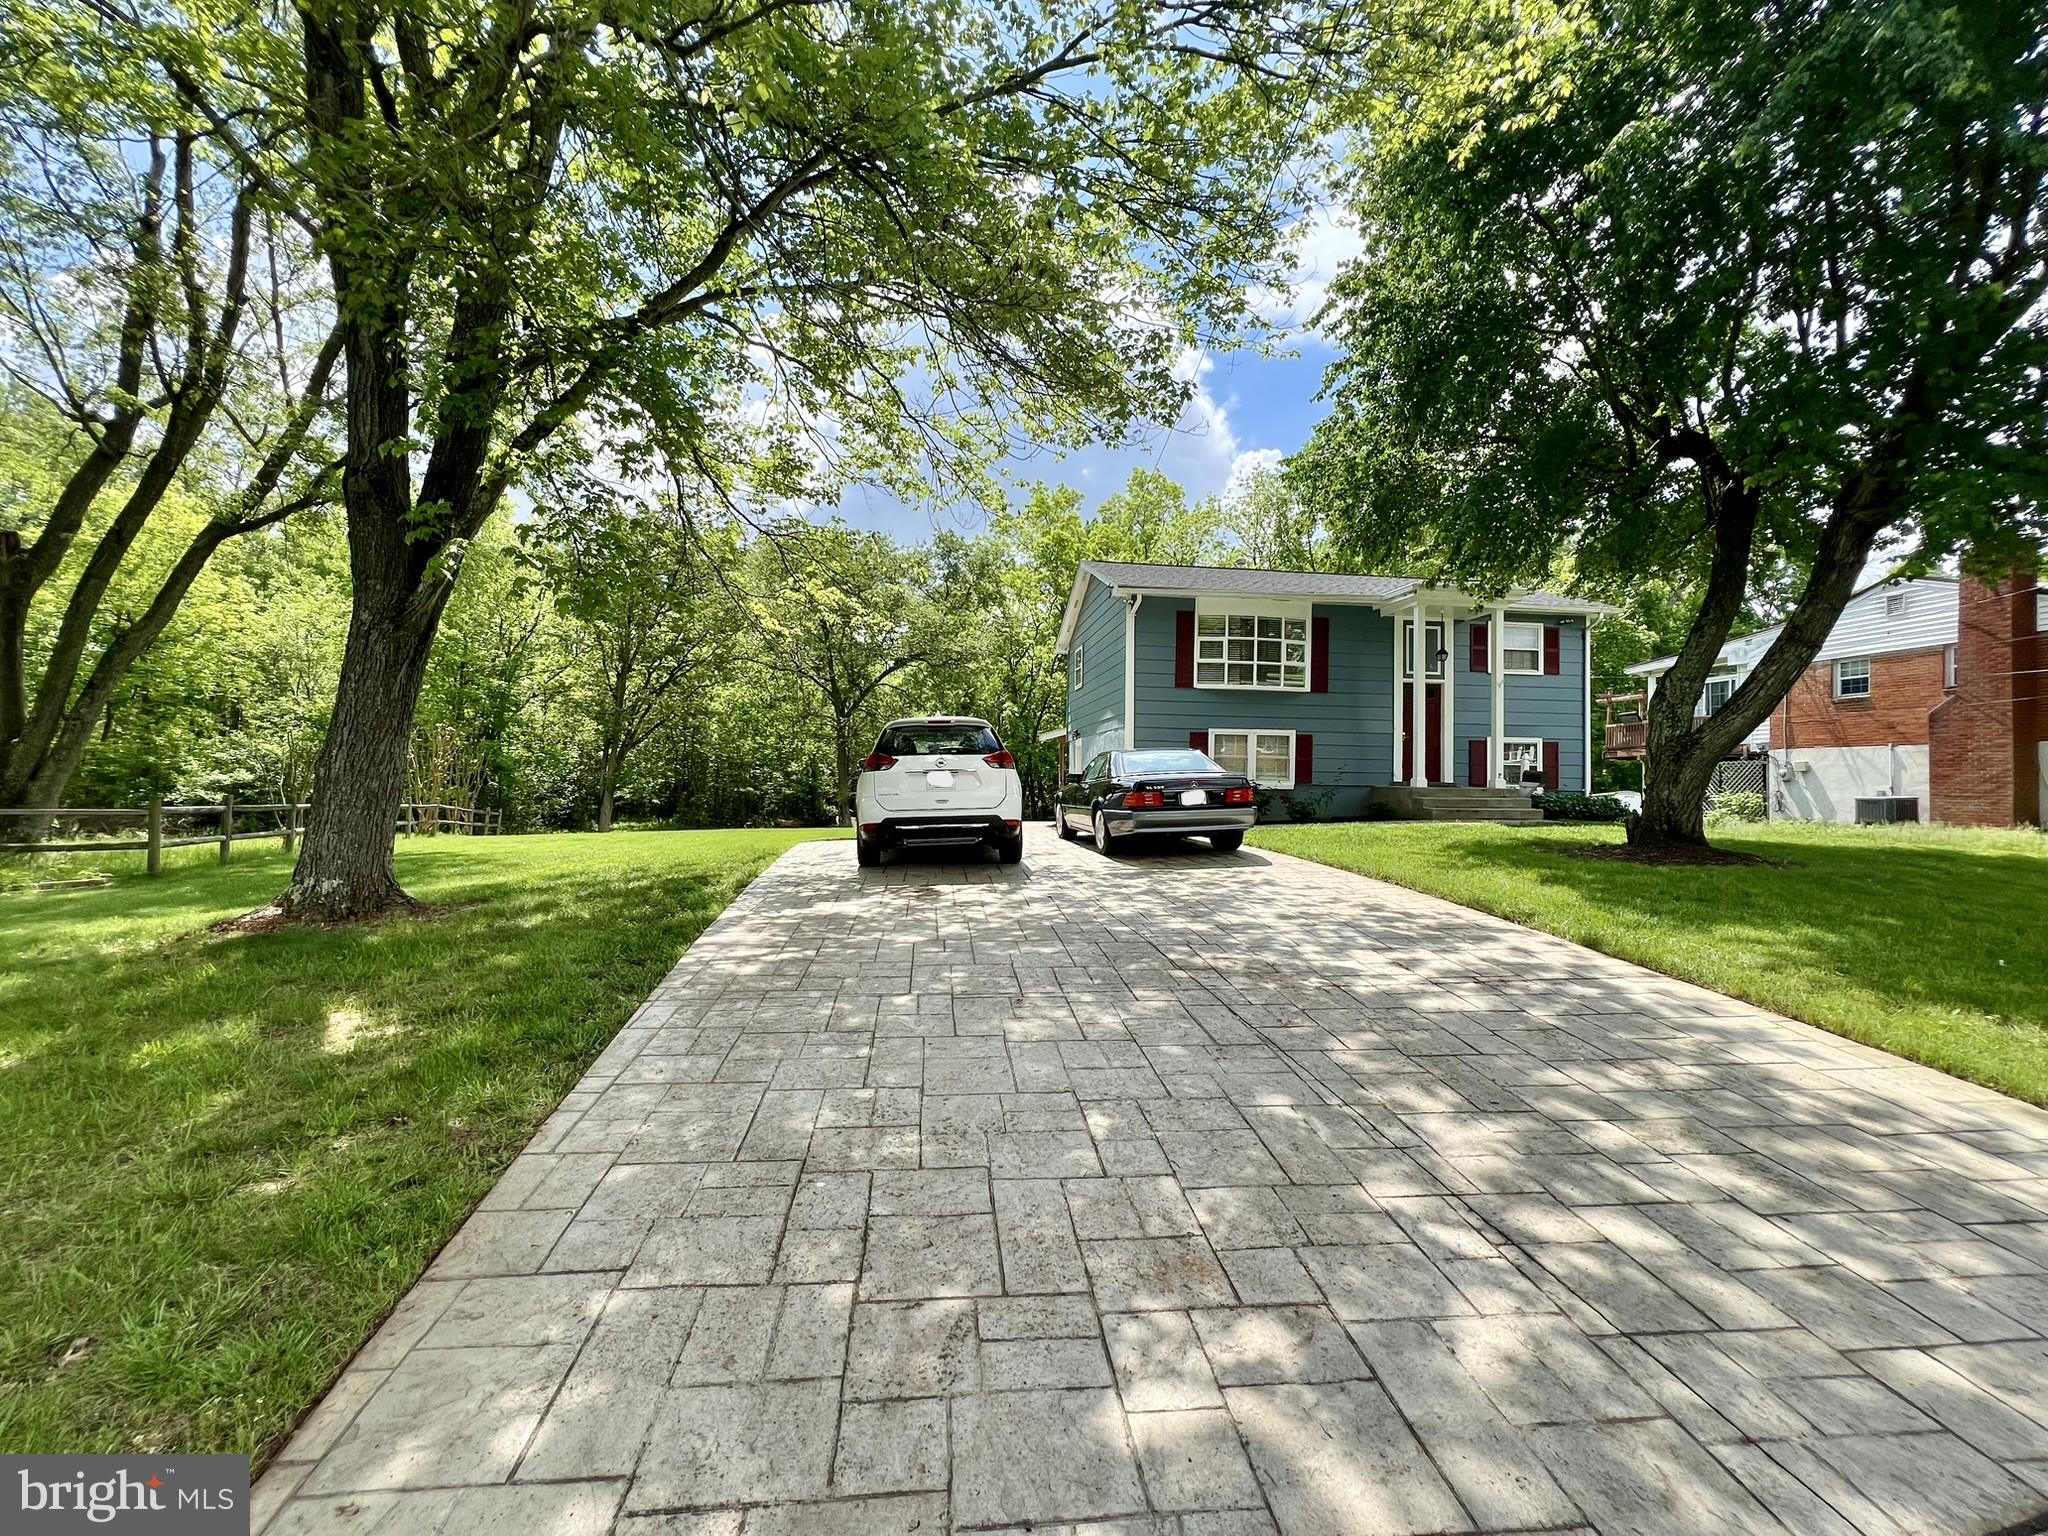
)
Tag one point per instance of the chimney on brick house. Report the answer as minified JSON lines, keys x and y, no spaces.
{"x":1984,"y":741}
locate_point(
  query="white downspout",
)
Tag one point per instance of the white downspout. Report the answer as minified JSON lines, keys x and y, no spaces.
{"x":1131,"y":670}
{"x":1496,"y":642}
{"x":1418,"y":719}
{"x":1591,"y":620}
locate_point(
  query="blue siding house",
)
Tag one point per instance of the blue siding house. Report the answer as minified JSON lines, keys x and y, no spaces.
{"x":1305,"y":680}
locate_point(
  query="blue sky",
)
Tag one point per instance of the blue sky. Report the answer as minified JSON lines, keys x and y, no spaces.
{"x":1246,"y":408}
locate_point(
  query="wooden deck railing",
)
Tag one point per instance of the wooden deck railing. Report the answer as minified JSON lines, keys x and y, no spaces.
{"x":1626,"y":738}
{"x":415,"y":819}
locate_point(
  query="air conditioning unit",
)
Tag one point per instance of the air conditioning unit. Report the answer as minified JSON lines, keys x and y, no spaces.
{"x":1881,"y":808}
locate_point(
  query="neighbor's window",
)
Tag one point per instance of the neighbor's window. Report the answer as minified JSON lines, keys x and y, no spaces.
{"x":1080,"y":669}
{"x":1435,"y":642}
{"x":1948,"y":666}
{"x":1519,"y":758}
{"x":1264,"y":757}
{"x":1852,"y":679}
{"x":2041,"y":611}
{"x":1521,"y":647}
{"x":1716,"y":694}
{"x":1251,"y":650}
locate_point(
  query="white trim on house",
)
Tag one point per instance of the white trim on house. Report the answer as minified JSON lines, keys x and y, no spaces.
{"x":1507,"y":743}
{"x":1443,"y":639}
{"x":1251,"y":733}
{"x":1497,"y":714}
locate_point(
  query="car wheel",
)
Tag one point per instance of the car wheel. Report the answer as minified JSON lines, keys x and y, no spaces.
{"x":865,"y":853}
{"x":1011,"y":849}
{"x":1226,"y":842}
{"x":1103,"y":841}
{"x":1059,"y":825}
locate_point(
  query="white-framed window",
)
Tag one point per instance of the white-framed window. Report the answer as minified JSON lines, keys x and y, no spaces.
{"x":2041,"y":611}
{"x":1852,"y":678}
{"x":1252,"y":646}
{"x":1434,"y":642}
{"x":1080,"y":667}
{"x":1715,"y":694}
{"x":1948,"y":666}
{"x":1518,"y":756}
{"x":1264,"y":757}
{"x":1521,"y":647}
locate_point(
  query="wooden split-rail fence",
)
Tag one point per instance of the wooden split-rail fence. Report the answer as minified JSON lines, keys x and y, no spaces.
{"x":415,"y":819}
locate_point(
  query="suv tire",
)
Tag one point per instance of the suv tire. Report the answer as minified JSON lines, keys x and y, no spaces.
{"x":1011,"y":849}
{"x":866,"y":854}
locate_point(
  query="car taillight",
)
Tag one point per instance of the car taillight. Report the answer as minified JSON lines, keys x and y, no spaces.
{"x":1012,"y":826}
{"x":1144,"y":800}
{"x":875,"y":762}
{"x":871,"y":827}
{"x":1237,"y":797}
{"x":1000,"y":760}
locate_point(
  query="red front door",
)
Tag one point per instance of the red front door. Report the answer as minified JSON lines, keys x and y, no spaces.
{"x":1433,"y":713}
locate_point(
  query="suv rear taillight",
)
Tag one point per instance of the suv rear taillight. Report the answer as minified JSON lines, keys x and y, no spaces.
{"x":875,"y":762}
{"x":1000,"y":760}
{"x":1237,"y":797}
{"x":1144,"y":800}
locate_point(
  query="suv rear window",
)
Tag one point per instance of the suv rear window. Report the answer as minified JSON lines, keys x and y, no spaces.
{"x":924,"y":740}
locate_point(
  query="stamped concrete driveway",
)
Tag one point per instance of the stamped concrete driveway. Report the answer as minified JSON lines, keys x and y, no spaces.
{"x":1204,"y":1195}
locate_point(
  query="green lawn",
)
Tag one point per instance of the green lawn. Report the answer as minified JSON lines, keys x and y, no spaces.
{"x":1928,"y":941}
{"x":223,"y":1159}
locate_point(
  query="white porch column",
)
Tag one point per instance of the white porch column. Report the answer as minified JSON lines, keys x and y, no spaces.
{"x":1418,"y":716}
{"x":1496,"y":767}
{"x":1400,"y":720}
{"x":1131,"y":670}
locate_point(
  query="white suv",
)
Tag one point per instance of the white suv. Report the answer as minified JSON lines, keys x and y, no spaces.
{"x":945,"y":779}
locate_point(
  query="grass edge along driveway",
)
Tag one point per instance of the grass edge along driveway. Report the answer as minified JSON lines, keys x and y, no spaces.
{"x":224,"y":1159}
{"x":1928,"y":942}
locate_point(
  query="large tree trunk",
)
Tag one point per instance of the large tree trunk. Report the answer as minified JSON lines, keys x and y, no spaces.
{"x":345,"y":868}
{"x":607,"y":783}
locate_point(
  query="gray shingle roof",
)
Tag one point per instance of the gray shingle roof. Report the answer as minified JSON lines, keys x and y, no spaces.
{"x":1248,"y":583}
{"x":1255,"y":583}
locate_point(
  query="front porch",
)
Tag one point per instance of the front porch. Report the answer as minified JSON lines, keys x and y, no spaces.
{"x":1451,"y":802}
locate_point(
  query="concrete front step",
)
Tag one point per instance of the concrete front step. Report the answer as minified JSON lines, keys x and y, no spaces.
{"x":1447,"y":802}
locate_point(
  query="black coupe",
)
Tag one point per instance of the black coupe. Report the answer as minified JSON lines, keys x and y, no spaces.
{"x":1173,"y":793}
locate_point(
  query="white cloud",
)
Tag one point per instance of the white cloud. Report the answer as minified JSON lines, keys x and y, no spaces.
{"x":1247,"y":466}
{"x":1323,"y":242}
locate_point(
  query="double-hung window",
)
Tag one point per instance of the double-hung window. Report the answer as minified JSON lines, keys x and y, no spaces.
{"x":1433,"y":644}
{"x":1716,"y":694}
{"x":1251,"y":650}
{"x":1264,"y":757}
{"x":1080,"y":667}
{"x":1521,"y":647}
{"x":1852,"y":678}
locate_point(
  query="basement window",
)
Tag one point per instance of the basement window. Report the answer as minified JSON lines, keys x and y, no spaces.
{"x":1852,"y":679}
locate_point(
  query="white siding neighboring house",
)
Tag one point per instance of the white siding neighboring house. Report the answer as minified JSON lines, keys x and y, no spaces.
{"x":1816,"y":782}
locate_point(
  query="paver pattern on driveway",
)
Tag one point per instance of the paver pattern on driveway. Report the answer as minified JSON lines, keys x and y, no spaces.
{"x":1208,"y":1196}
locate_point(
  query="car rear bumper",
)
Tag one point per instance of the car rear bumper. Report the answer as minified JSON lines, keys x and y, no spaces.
{"x":1178,"y":821}
{"x":940,"y":828}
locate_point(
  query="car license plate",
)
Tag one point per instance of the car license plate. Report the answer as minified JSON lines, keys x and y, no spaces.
{"x":1194,"y":797}
{"x":939,"y":778}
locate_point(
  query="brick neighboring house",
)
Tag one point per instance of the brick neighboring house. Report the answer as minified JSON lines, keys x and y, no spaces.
{"x":1990,"y":736}
{"x":1929,"y":689}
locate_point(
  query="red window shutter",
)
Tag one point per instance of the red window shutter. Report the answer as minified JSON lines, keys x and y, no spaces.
{"x":1476,"y":642}
{"x":1475,"y":763}
{"x":1553,"y":768}
{"x":1553,"y":650}
{"x":1183,"y":649}
{"x":1304,"y":760}
{"x":1319,"y":655}
{"x":1199,"y":740}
